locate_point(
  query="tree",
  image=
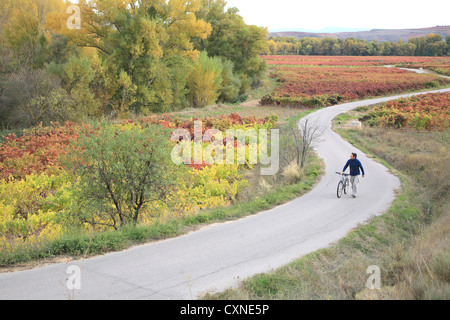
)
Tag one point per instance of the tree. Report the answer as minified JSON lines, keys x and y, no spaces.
{"x":149,"y":40}
{"x":388,"y":47}
{"x":420,"y":44}
{"x":120,"y":170}
{"x":347,"y":47}
{"x":30,"y":97}
{"x":336,"y":50}
{"x":298,"y":139}
{"x":22,"y":25}
{"x":229,"y":88}
{"x":447,"y":40}
{"x":205,"y":81}
{"x":233,"y":40}
{"x":311,"y":133}
{"x":326,"y":46}
{"x":78,"y":75}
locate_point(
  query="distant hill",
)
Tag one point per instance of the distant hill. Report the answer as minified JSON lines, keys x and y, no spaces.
{"x":376,"y":34}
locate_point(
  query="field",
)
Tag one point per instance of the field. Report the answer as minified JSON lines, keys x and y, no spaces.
{"x":324,"y":81}
{"x":438,"y":65}
{"x":45,"y":211}
{"x":251,"y":108}
{"x":354,"y":61}
{"x":424,"y":112}
{"x":38,"y":185}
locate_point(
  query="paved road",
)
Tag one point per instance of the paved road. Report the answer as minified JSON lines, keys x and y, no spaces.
{"x":218,"y":256}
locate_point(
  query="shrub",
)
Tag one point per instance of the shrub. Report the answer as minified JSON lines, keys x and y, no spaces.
{"x":205,"y":81}
{"x":229,"y":89}
{"x":37,"y":150}
{"x":29,"y":209}
{"x":121,"y":169}
{"x":422,"y":112}
{"x":292,"y":173}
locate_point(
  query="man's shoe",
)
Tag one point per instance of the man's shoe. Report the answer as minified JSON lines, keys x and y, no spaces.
{"x":353,"y":196}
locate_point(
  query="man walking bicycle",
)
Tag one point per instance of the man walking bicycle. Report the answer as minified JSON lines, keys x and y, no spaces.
{"x":355,"y":170}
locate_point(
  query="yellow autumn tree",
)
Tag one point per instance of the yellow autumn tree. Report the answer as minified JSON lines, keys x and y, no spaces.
{"x":37,"y":10}
{"x":205,"y":80}
{"x":147,"y":42}
{"x":22,"y":27}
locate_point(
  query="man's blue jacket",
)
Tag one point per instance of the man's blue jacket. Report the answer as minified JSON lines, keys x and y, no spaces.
{"x":354,"y":167}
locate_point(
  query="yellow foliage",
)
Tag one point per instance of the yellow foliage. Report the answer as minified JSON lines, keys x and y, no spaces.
{"x":27,"y":213}
{"x":211,"y":187}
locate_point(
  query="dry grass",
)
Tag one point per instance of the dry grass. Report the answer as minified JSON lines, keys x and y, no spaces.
{"x":250,"y":108}
{"x":293,"y":173}
{"x":418,"y":267}
{"x":424,"y":156}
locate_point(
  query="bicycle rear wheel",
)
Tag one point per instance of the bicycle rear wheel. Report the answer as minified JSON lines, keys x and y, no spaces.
{"x":340,"y":189}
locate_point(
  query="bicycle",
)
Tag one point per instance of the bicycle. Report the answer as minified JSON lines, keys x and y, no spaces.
{"x":343,"y":184}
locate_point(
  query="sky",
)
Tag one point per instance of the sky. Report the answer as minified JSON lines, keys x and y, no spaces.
{"x":290,"y":15}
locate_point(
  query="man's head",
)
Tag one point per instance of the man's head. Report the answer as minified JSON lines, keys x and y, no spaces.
{"x":353,"y":156}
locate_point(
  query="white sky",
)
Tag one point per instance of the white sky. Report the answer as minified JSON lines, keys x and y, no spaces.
{"x":318,"y":14}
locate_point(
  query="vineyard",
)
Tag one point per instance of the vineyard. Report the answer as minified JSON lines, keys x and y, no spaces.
{"x":438,"y":66}
{"x":423,"y":112}
{"x":324,"y":81}
{"x":355,"y":61}
{"x":41,"y":188}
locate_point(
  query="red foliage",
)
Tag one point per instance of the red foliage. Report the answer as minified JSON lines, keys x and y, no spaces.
{"x":354,"y":61}
{"x":310,"y":80}
{"x":36,"y":151}
{"x":223,"y":122}
{"x":435,"y":106}
{"x":41,"y":149}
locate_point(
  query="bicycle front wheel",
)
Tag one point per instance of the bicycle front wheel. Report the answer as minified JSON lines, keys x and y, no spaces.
{"x":340,"y":189}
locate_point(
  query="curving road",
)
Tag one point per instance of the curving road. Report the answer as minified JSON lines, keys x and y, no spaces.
{"x":218,"y":256}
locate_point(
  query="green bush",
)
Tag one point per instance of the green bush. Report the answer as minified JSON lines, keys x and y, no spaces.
{"x":124,"y":168}
{"x":229,"y":88}
{"x":205,"y":81}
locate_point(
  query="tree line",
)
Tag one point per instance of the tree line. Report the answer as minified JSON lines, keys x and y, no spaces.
{"x":127,"y":58}
{"x":430,"y":45}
